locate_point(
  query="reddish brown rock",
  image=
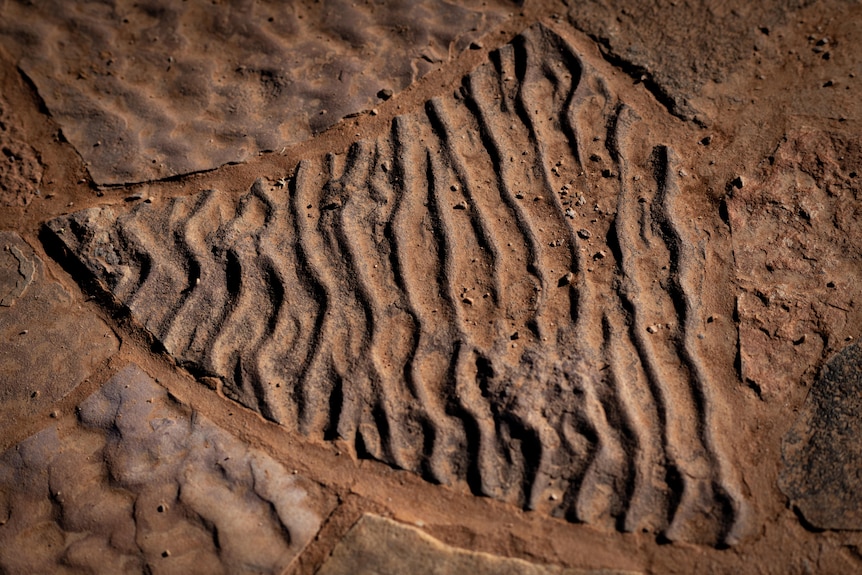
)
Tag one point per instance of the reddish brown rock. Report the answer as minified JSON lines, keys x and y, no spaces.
{"x":588,"y":375}
{"x":151,"y":90}
{"x":49,"y":343}
{"x":20,"y":169}
{"x":676,"y":48}
{"x":379,"y":546}
{"x":798,"y":251}
{"x":351,"y":301}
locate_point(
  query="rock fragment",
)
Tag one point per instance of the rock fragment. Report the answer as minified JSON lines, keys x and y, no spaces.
{"x":822,"y":452}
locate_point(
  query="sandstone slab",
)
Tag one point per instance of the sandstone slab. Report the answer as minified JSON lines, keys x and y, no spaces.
{"x":140,"y":483}
{"x":504,"y":292}
{"x":380,"y":546}
{"x":49,"y":343}
{"x":150,"y":90}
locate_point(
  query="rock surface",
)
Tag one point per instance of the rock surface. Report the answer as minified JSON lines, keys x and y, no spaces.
{"x":231,"y":79}
{"x":142,"y":484}
{"x":48,"y":343}
{"x":310,"y":299}
{"x":20,"y":169}
{"x":677,"y":47}
{"x":591,"y":270}
{"x":798,"y":252}
{"x":822,"y":453}
{"x":380,"y":546}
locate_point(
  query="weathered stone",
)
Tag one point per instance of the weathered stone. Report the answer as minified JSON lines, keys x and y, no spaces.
{"x":379,"y":546}
{"x":798,"y":249}
{"x":143,"y":484}
{"x":822,"y":452}
{"x":49,"y":344}
{"x":676,"y":48}
{"x":234,"y":79}
{"x":20,"y":169}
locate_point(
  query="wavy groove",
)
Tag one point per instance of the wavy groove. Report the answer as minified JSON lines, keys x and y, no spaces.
{"x":356,"y":253}
{"x":284,"y":343}
{"x":683,"y":289}
{"x":311,"y":393}
{"x":188,"y":239}
{"x":162,"y":277}
{"x":540,"y":81}
{"x":525,"y":224}
{"x":426,"y":368}
{"x":469,"y":406}
{"x":439,"y":119}
{"x":500,"y":293}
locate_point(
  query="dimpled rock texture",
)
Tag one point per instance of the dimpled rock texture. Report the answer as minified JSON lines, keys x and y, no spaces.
{"x":379,"y":546}
{"x":822,"y":453}
{"x":504,"y":291}
{"x":47,"y":343}
{"x":142,"y":484}
{"x":148,"y":90}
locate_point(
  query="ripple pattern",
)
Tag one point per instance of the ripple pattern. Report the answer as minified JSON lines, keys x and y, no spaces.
{"x":503,"y":293}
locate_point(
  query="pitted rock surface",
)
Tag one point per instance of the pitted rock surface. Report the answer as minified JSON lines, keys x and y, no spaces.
{"x":140,"y":483}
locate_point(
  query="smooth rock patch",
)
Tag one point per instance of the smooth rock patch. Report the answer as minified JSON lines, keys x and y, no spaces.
{"x":380,"y":546}
{"x":49,"y":344}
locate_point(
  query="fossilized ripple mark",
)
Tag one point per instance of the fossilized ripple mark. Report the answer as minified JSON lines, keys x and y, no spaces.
{"x":445,"y":300}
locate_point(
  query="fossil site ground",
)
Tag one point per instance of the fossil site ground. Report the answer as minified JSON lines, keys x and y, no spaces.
{"x":360,"y":287}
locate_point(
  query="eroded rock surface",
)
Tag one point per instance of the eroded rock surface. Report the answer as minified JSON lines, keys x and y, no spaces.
{"x":677,"y":47}
{"x":155,"y":89}
{"x":48,"y":343}
{"x":505,"y":291}
{"x":798,"y":252}
{"x":20,"y":169}
{"x":822,"y":453}
{"x":142,"y":484}
{"x":379,"y":546}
